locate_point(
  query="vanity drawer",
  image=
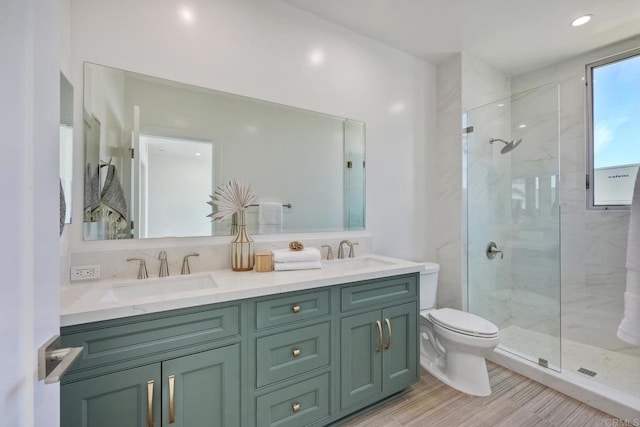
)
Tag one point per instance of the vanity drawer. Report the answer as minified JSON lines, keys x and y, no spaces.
{"x":297,"y":405}
{"x":373,"y":293}
{"x":293,"y":308}
{"x":129,"y":341}
{"x":290,"y":353}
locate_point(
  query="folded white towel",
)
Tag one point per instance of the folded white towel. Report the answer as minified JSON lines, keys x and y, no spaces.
{"x":628,"y":330}
{"x":297,"y":265}
{"x":269,"y":218}
{"x":286,"y":255}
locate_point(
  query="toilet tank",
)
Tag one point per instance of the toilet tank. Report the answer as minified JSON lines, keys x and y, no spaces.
{"x":428,"y":285}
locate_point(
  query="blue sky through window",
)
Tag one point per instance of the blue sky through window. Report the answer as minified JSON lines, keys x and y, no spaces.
{"x":616,"y":113}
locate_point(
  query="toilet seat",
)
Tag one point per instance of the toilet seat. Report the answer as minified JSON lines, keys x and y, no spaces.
{"x":463,"y":323}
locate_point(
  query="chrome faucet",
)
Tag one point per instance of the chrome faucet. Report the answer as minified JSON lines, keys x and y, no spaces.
{"x":341,"y":250}
{"x":185,"y":263}
{"x":164,"y":268}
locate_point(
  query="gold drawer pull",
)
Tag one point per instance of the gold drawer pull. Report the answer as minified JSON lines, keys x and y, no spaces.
{"x":379,"y":346}
{"x":295,"y":309}
{"x":296,"y":352}
{"x":388,"y":345}
{"x":296,"y":407}
{"x":149,"y":403}
{"x":172,"y":402}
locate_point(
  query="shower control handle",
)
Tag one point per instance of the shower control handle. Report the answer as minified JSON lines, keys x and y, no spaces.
{"x":492,"y":250}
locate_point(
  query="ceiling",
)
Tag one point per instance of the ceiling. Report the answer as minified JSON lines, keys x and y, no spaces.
{"x":514,"y":36}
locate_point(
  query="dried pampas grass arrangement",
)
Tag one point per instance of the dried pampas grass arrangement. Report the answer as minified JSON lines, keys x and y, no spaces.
{"x":230,"y":198}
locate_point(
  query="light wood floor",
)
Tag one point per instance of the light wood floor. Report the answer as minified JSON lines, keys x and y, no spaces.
{"x":515,"y":401}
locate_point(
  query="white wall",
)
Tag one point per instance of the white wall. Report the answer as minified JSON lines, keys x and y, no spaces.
{"x":29,"y":259}
{"x":464,"y":83}
{"x":262,"y":50}
{"x":594,"y":243}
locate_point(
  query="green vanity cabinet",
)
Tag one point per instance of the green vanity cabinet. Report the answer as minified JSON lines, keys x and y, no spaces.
{"x":300,"y":404}
{"x":116,"y":399}
{"x":303,"y":358}
{"x":201,"y":389}
{"x":175,"y":368}
{"x":378,"y":348}
{"x":292,"y":339}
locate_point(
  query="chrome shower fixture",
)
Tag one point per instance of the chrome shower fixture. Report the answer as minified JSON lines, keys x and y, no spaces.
{"x":509,"y":145}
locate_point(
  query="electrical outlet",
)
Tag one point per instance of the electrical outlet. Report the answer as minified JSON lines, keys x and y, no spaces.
{"x":85,"y":272}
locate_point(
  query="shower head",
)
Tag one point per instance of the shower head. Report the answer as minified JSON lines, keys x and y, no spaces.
{"x":509,"y":145}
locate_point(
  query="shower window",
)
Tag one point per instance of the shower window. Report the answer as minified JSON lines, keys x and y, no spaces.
{"x":613,"y":96}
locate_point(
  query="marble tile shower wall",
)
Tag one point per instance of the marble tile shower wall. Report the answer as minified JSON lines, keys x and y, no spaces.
{"x":594,"y":243}
{"x":463,"y":82}
{"x":489,"y":219}
{"x":449,"y":183}
{"x":535,"y":226}
{"x":513,"y":201}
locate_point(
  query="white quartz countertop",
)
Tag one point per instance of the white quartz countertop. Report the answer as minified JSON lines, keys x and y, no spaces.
{"x":84,"y":302}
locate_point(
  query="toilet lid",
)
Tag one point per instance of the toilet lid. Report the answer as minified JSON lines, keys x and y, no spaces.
{"x":464,"y":322}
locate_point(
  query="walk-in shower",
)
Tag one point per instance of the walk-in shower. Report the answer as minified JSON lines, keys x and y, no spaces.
{"x":529,"y":291}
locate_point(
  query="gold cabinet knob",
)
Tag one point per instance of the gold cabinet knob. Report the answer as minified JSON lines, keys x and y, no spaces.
{"x":295,"y":308}
{"x":296,"y":352}
{"x":296,"y":407}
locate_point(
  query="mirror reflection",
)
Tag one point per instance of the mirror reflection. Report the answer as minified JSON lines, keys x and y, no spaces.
{"x":156,"y":149}
{"x":66,"y":149}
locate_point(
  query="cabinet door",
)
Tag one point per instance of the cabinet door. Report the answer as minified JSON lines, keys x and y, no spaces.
{"x":400,"y":357}
{"x":205,"y":389}
{"x":120,"y":399}
{"x":360,"y":358}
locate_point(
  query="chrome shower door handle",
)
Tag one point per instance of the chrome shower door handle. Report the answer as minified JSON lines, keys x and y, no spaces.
{"x":492,"y":250}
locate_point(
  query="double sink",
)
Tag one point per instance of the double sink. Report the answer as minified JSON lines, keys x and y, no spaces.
{"x":108,"y":299}
{"x":140,"y":289}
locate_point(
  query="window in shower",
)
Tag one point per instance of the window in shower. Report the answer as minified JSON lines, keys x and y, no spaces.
{"x":613,"y":97}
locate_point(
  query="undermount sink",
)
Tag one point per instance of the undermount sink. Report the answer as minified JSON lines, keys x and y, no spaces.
{"x":157,"y":287}
{"x":349,"y":264}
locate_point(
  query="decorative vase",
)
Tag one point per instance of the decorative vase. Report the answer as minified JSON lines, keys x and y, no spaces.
{"x":234,"y":224}
{"x":242,"y":256}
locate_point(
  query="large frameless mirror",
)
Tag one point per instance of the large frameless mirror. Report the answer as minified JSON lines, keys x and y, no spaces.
{"x":156,"y":149}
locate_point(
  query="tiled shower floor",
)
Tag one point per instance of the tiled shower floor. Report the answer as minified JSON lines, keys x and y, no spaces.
{"x":616,"y":370}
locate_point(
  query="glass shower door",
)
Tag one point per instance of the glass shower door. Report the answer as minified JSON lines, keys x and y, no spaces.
{"x":513,"y":222}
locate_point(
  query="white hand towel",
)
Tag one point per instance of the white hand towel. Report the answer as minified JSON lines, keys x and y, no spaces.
{"x":298,"y":265}
{"x":629,"y":329}
{"x":269,"y":218}
{"x":305,"y":255}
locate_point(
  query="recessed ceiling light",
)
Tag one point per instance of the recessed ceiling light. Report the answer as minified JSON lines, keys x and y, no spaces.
{"x":316,"y":57}
{"x":187,"y":15}
{"x":522,"y":126}
{"x":500,"y":105}
{"x":397,"y":107}
{"x":581,"y":20}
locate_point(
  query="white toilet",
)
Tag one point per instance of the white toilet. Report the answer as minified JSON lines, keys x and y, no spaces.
{"x":454,"y":343}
